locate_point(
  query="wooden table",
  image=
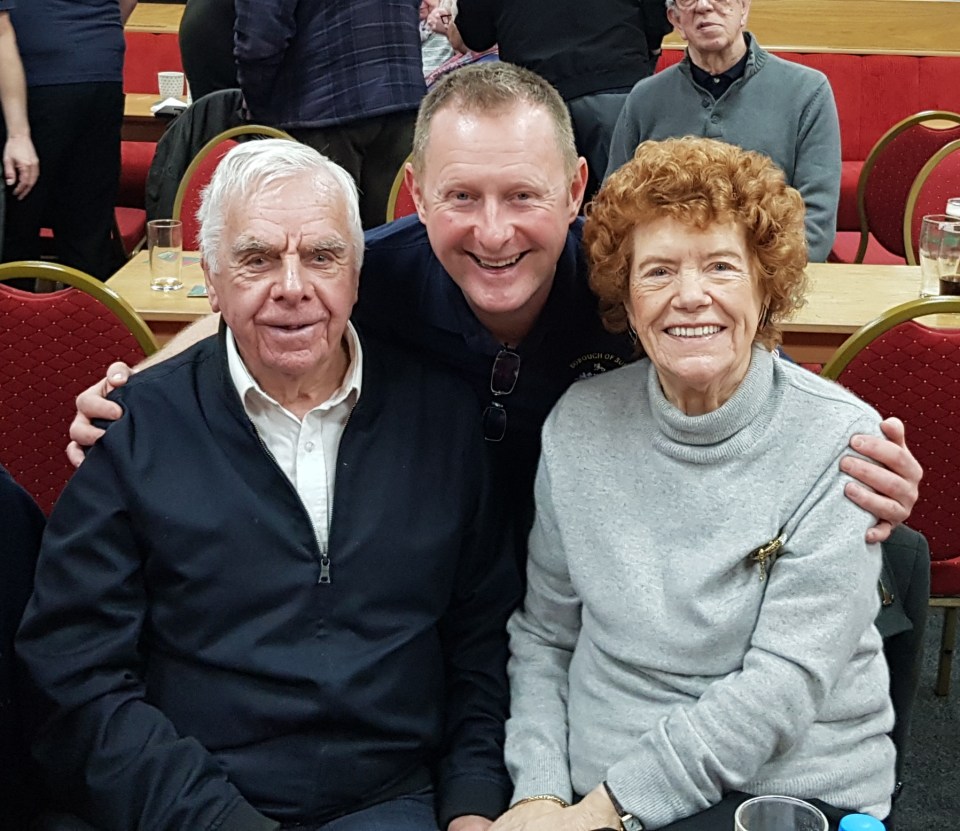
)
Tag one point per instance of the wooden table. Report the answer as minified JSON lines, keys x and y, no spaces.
{"x":139,"y":124}
{"x":166,"y":312}
{"x":161,"y":18}
{"x":840,"y":300}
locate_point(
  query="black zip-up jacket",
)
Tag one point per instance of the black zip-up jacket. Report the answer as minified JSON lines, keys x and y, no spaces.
{"x":194,"y":672}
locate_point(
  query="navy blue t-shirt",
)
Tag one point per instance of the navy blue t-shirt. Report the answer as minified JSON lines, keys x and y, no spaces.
{"x":407,"y":296}
{"x":69,"y":41}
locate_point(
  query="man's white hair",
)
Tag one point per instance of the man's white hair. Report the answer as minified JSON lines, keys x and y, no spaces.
{"x":253,"y":164}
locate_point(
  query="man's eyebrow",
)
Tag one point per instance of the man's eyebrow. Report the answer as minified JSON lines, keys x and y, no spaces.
{"x":334,"y":244}
{"x":247,"y":244}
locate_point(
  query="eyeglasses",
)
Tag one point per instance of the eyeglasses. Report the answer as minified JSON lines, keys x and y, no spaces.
{"x":503,"y":378}
{"x":720,"y":5}
{"x":445,"y":18}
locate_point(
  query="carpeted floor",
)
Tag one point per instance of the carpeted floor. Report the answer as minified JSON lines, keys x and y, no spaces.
{"x":931,"y":796}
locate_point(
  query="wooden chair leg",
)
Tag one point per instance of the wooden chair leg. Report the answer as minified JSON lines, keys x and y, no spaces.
{"x":947,"y":643}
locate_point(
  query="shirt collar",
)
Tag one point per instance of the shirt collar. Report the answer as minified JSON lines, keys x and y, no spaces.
{"x":249,"y":390}
{"x":717,"y":85}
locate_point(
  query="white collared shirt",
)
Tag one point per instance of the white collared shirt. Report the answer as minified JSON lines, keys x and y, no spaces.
{"x":306,"y":451}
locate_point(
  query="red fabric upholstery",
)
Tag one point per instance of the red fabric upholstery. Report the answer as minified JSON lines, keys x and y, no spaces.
{"x":147,"y":54}
{"x":873,"y":93}
{"x":942,"y":184}
{"x":847,"y":243}
{"x":191,"y":199}
{"x":404,"y":206}
{"x":52,"y":347}
{"x":912,"y":372}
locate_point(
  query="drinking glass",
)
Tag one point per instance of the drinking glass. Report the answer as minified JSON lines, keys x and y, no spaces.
{"x":778,"y":813}
{"x":948,"y":261}
{"x":165,"y":243}
{"x":931,"y":232}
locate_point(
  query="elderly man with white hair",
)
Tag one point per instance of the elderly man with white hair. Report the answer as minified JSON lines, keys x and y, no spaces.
{"x":220,"y":643}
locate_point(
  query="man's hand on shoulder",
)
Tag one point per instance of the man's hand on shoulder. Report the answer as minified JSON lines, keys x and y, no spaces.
{"x":92,"y":403}
{"x":888,"y":479}
{"x":469,"y":822}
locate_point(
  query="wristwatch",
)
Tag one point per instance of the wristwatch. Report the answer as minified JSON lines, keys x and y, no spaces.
{"x":628,"y":822}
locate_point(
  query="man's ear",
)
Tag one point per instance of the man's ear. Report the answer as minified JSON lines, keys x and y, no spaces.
{"x":211,"y":290}
{"x":578,"y":187}
{"x":416,"y":192}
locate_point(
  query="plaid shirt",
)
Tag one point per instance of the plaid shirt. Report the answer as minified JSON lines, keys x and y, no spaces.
{"x":315,"y":63}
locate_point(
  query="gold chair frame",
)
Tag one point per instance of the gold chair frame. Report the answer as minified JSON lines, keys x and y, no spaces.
{"x":848,"y":350}
{"x":203,"y":152}
{"x":914,"y":195}
{"x":874,"y":154}
{"x":395,"y":188}
{"x":89,"y":285}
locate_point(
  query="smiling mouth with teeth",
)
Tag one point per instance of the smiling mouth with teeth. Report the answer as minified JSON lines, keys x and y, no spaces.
{"x":498,"y":264}
{"x":693,"y":331}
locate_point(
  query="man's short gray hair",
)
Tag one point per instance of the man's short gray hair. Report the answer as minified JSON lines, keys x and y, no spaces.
{"x":492,"y":88}
{"x":252,"y":165}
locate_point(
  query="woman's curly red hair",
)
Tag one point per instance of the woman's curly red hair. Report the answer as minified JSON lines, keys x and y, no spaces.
{"x":699,"y":182}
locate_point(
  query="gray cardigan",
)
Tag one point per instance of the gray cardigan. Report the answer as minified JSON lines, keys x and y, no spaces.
{"x":649,"y":652}
{"x":779,"y":108}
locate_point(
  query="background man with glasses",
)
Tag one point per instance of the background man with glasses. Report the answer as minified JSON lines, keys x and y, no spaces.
{"x":489,"y":280}
{"x":730,"y":89}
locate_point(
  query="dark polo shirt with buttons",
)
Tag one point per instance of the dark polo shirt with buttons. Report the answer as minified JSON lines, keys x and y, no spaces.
{"x":406,"y":295}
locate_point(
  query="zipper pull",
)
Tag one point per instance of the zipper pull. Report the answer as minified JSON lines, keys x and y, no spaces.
{"x":324,"y":569}
{"x":767,"y":554}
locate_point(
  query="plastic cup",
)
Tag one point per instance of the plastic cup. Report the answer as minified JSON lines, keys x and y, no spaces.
{"x":931,"y":234}
{"x":165,"y":245}
{"x":779,"y":813}
{"x":170,"y":84}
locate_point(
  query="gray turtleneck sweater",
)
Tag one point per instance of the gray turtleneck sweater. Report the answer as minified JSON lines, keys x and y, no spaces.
{"x":650,"y":653}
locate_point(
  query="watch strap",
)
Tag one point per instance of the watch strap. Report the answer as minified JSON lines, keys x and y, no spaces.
{"x":628,"y":822}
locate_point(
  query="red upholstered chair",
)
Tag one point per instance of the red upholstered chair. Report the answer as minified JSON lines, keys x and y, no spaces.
{"x":200,"y":171}
{"x":885,"y":181}
{"x":909,"y":370}
{"x":938,"y":181}
{"x":400,"y":202}
{"x":52,"y":347}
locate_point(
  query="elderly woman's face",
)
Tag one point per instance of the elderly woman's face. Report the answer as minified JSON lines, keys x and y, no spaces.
{"x":695,"y":305}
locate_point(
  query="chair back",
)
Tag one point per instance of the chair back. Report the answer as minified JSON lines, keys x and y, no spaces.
{"x":890,"y":170}
{"x":910,"y":370}
{"x":200,"y":171}
{"x":400,"y":202}
{"x":938,"y":181}
{"x":52,"y":347}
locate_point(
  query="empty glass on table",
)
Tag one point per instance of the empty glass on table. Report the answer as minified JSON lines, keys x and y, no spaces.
{"x":779,"y":813}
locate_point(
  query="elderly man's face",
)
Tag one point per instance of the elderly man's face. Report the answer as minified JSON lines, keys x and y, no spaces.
{"x":288,"y":280}
{"x":497,"y":203}
{"x":710,"y":26}
{"x":695,"y":305}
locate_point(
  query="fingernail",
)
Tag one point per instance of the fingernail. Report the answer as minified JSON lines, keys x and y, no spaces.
{"x":117,"y":376}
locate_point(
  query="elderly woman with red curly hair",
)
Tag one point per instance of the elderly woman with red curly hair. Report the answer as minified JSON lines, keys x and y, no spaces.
{"x":698,"y":623}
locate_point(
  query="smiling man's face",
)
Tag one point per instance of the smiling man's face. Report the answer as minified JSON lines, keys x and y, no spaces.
{"x":497,"y":204}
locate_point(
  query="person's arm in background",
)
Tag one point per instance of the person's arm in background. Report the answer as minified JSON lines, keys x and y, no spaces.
{"x":818,"y":169}
{"x":263,"y":30}
{"x":476,"y":24}
{"x":126,"y":9}
{"x":655,"y":24}
{"x":20,"y":163}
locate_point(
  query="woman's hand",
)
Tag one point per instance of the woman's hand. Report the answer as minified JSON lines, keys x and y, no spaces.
{"x":92,"y":403}
{"x":892,"y":478}
{"x":592,"y":812}
{"x":469,"y":822}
